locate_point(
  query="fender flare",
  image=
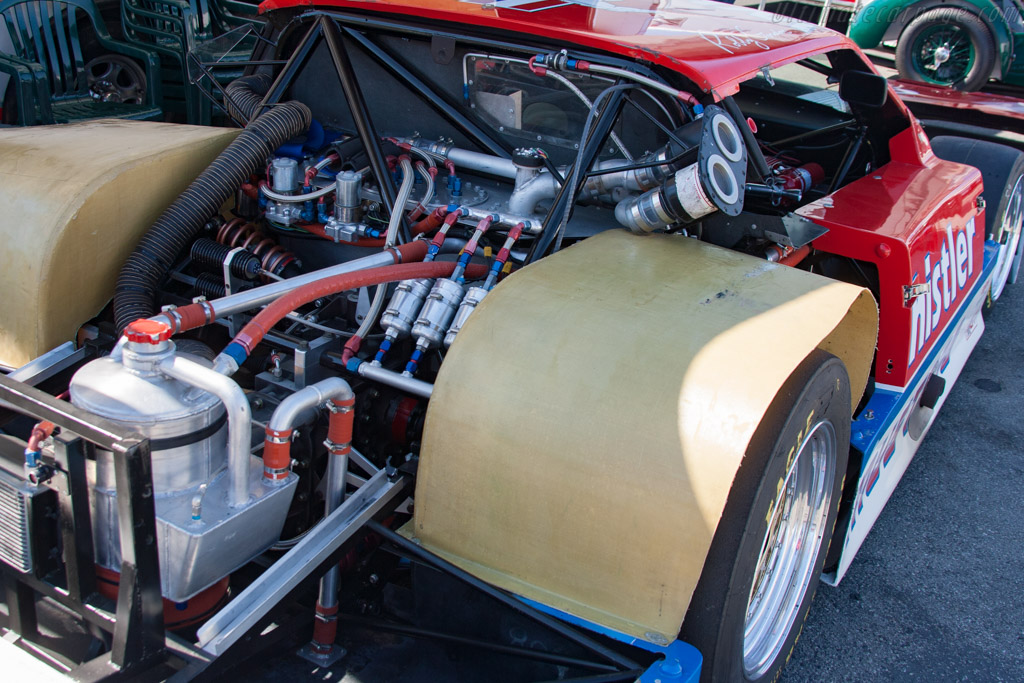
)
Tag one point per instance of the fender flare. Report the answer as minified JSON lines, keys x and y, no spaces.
{"x":588,"y":422}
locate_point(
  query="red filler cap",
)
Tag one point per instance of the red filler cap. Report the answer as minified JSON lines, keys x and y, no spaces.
{"x":146,"y":331}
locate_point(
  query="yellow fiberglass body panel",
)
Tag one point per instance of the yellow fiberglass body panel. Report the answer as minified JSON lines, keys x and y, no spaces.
{"x":589,"y":419}
{"x":75,"y":201}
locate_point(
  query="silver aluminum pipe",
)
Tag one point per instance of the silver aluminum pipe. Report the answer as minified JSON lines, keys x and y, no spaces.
{"x":283,"y":419}
{"x":410,"y":385}
{"x":238,"y":414}
{"x":530,"y":191}
{"x":290,"y":409}
{"x":258,"y":296}
{"x":464,"y":158}
{"x":334,"y":496}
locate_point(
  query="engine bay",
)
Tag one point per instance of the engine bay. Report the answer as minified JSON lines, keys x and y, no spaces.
{"x":278,"y":333}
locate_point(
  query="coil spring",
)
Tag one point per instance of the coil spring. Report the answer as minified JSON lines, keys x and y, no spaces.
{"x":206,"y":252}
{"x":238,"y":233}
{"x":210,"y":286}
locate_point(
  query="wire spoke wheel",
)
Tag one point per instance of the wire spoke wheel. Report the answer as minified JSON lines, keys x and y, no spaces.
{"x":787,"y":561}
{"x":947,"y":46}
{"x":944,"y":54}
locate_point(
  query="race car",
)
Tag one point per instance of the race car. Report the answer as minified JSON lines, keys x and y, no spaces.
{"x":626,"y":319}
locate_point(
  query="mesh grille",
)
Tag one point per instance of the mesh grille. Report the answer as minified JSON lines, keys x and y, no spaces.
{"x":14,"y":533}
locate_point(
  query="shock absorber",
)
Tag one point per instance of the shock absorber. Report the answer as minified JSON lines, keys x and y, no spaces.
{"x":244,"y":264}
{"x":273,"y":257}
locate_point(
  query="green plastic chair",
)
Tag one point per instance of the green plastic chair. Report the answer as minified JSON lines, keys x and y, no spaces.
{"x":159,"y":27}
{"x":176,"y":27}
{"x":52,"y":81}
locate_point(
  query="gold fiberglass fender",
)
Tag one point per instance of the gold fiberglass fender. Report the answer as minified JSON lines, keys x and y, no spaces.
{"x":74,"y":200}
{"x":588,"y":421}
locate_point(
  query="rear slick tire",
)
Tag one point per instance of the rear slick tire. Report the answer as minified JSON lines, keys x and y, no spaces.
{"x":1002,"y":172}
{"x":767,"y":554}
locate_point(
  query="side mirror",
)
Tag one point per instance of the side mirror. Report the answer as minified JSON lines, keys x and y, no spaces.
{"x":864,"y":89}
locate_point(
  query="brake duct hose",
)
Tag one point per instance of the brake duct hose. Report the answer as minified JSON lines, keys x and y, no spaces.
{"x":178,"y":225}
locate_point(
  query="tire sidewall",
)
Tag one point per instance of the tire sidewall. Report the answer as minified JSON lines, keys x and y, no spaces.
{"x":1000,"y":168}
{"x":723,"y":591}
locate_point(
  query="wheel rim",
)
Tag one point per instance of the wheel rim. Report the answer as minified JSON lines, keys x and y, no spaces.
{"x":113,"y":78}
{"x":1008,"y":234}
{"x":786,"y":564}
{"x":943,"y":54}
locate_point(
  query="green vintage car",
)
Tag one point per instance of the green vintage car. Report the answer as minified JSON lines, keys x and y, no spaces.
{"x":959,"y":43}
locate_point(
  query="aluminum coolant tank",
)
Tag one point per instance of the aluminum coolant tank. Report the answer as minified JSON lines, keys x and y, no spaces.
{"x":186,"y":428}
{"x":202,"y":533}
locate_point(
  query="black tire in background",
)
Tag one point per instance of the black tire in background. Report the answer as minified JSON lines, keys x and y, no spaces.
{"x":909,"y":60}
{"x":1002,"y":172}
{"x":815,"y":398}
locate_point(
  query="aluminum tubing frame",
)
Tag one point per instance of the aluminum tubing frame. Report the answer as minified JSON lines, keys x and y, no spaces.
{"x":138,"y":639}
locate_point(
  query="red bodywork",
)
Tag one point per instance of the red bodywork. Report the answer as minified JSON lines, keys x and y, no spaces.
{"x":896,"y":217}
{"x":974,"y":102}
{"x":716,"y":46}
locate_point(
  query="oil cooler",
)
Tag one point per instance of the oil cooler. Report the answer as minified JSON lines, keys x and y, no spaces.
{"x":27,"y":525}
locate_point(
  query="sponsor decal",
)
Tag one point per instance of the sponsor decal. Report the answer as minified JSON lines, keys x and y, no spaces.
{"x":947,"y":274}
{"x":879,"y":460}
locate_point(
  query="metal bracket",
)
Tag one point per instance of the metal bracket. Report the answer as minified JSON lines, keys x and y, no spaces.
{"x":442,"y":49}
{"x":307,"y":361}
{"x":231,"y":283}
{"x":911,"y":292}
{"x":789,"y":230}
{"x":230,"y":624}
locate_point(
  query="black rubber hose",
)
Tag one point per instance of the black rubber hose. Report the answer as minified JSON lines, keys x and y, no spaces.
{"x":178,"y":225}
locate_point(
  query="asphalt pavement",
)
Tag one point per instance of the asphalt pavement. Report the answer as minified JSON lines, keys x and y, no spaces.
{"x":937,"y":591}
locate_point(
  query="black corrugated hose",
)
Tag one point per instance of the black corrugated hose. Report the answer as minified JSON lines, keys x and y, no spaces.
{"x":178,"y":225}
{"x":246,"y":93}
